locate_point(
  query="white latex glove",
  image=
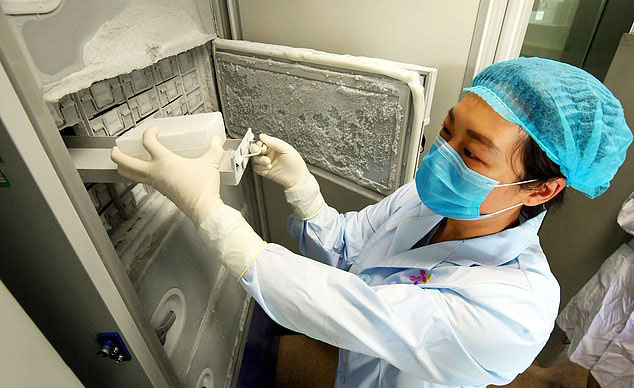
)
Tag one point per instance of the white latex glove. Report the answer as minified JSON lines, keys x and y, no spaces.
{"x":194,"y":186}
{"x":278,"y":161}
{"x":281,"y":163}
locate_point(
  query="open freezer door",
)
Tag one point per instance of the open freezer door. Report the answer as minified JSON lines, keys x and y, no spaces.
{"x":357,"y":121}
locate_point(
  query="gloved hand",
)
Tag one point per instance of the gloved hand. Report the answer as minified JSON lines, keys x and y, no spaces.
{"x":194,"y":186}
{"x":278,"y":161}
{"x":281,"y":163}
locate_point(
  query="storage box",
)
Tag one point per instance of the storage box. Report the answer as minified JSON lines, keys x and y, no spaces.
{"x":187,"y":136}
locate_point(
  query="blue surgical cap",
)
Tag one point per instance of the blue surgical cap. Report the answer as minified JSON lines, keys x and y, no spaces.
{"x":570,"y":114}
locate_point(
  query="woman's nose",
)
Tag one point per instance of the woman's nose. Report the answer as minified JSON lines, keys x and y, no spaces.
{"x":455,"y":144}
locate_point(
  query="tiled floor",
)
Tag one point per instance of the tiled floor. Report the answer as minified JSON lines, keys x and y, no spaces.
{"x":306,"y":363}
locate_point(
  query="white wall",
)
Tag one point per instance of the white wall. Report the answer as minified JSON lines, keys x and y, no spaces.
{"x":423,"y":32}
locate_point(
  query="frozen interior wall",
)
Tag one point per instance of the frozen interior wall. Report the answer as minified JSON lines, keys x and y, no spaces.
{"x":86,"y":41}
{"x":349,"y":125}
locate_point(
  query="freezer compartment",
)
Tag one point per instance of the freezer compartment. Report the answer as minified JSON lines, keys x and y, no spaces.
{"x":83,"y":42}
{"x":197,"y":311}
{"x":93,"y":118}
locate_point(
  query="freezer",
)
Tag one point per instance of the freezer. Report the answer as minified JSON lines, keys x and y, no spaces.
{"x":358,"y":122}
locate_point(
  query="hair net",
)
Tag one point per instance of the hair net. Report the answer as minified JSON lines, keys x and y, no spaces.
{"x":570,"y":114}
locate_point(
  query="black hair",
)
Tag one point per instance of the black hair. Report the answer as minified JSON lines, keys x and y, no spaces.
{"x":537,"y":165}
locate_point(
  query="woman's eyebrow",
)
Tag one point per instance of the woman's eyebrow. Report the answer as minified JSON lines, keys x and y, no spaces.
{"x":483,"y":139}
{"x":475,"y":135}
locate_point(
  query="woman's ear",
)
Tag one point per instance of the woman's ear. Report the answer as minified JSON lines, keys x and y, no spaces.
{"x":545,"y":192}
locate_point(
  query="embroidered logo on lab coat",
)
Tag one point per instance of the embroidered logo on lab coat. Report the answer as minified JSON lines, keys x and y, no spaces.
{"x":423,"y":278}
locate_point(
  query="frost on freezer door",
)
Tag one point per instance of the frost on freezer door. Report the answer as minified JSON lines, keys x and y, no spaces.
{"x":346,"y":124}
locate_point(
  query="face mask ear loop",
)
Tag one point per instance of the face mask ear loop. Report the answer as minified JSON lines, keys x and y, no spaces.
{"x":516,"y":183}
{"x":484,"y":216}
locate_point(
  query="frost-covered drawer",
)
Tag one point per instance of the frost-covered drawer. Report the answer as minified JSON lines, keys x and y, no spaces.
{"x":137,"y":81}
{"x":190,"y":80}
{"x":64,"y":112}
{"x":169,"y":91}
{"x":165,"y":69}
{"x":100,"y":96}
{"x":186,"y":61}
{"x":113,"y":121}
{"x":194,"y":99}
{"x":176,"y":108}
{"x":353,"y":127}
{"x":144,"y":104}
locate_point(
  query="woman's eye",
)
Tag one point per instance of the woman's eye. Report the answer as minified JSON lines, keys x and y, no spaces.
{"x":470,"y":154}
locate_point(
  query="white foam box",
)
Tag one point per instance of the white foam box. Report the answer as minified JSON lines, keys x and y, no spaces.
{"x":190,"y":136}
{"x":187,"y":136}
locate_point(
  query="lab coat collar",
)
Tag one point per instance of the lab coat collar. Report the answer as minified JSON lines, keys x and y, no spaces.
{"x":492,"y":250}
{"x":412,"y":228}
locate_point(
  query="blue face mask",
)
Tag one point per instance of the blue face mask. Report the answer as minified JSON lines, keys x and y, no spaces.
{"x":448,"y":187}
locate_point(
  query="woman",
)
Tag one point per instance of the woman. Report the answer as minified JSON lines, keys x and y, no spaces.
{"x":444,"y":281}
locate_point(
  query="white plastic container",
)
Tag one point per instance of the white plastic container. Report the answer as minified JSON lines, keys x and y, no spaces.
{"x":187,"y":136}
{"x":190,"y":136}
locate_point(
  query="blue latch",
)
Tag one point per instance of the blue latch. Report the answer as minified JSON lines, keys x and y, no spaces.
{"x":112,"y":345}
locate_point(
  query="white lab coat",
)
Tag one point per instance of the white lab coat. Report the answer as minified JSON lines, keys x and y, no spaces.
{"x":481,"y":318}
{"x":599,"y":319}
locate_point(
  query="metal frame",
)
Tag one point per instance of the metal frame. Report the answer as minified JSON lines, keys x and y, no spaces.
{"x":498,"y":34}
{"x":485,"y":37}
{"x":100,"y":259}
{"x":221,"y":18}
{"x":235,"y":23}
{"x":516,"y":18}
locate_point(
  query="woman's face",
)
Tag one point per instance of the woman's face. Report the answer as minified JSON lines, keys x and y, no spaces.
{"x":488,"y":144}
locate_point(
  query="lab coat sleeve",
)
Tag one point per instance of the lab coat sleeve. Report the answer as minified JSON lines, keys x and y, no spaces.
{"x":335,"y":238}
{"x":438,"y":336}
